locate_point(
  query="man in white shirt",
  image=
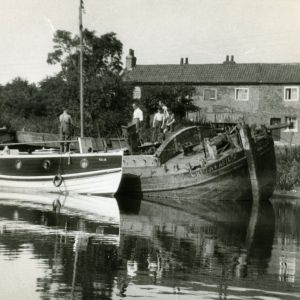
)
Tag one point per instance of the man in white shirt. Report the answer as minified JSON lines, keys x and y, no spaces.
{"x":137,"y":119}
{"x":137,"y":114}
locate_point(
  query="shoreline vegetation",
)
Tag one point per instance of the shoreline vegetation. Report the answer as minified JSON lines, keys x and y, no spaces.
{"x":288,"y":168}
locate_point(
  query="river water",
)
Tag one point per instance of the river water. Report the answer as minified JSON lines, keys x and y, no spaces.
{"x":221,"y":250}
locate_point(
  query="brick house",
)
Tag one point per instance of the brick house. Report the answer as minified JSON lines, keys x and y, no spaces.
{"x":228,"y":91}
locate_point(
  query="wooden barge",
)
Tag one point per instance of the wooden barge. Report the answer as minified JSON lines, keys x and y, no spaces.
{"x":194,"y":163}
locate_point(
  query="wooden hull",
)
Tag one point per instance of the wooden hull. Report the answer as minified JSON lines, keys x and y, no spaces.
{"x":93,"y":173}
{"x":224,"y":179}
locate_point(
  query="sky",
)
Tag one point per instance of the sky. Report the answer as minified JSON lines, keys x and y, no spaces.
{"x":159,"y":31}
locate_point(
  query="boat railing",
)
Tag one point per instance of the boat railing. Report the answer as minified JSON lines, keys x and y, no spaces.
{"x":38,"y":143}
{"x":12,"y":148}
{"x":82,"y":145}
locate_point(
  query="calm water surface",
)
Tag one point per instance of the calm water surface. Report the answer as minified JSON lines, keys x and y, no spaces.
{"x":220,"y":250}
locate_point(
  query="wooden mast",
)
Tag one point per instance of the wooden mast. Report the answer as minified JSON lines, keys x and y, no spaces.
{"x":80,"y":69}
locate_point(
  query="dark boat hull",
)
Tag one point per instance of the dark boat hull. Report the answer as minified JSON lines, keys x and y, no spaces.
{"x":225,"y":179}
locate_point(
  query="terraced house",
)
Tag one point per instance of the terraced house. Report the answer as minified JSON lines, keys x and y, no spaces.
{"x":226,"y":92}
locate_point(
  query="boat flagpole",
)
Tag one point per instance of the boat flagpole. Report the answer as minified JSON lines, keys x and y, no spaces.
{"x":80,"y":68}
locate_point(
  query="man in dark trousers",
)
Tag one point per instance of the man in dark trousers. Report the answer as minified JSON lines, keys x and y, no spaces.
{"x":66,"y":128}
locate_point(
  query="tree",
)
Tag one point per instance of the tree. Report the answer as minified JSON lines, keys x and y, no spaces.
{"x":177,"y":98}
{"x":19,"y":102}
{"x":106,"y":99}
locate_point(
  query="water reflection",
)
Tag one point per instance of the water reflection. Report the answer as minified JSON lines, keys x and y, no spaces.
{"x":58,"y":255}
{"x":218,"y":245}
{"x":218,"y":250}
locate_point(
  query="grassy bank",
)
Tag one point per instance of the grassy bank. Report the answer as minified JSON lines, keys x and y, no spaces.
{"x":288,"y":167}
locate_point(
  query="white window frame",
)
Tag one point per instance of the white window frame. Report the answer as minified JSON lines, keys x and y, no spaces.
{"x":293,"y":120}
{"x":290,"y":87}
{"x":137,"y":93}
{"x":210,"y":89}
{"x":241,"y":88}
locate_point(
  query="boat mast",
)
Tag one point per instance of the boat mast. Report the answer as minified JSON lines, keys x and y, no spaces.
{"x":80,"y":68}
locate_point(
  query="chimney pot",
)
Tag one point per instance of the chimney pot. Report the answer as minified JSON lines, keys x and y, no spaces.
{"x":232,"y":58}
{"x":181,"y":60}
{"x":227,"y":58}
{"x":186,"y":60}
{"x":130,"y":60}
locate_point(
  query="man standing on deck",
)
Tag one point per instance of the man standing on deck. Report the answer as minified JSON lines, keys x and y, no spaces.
{"x":137,"y":119}
{"x":66,"y":127}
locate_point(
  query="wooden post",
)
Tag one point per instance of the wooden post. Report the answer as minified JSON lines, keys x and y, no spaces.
{"x":250,"y":153}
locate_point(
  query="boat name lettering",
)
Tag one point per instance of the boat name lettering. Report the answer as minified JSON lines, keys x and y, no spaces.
{"x":222,"y":163}
{"x":218,"y":165}
{"x":102,"y":159}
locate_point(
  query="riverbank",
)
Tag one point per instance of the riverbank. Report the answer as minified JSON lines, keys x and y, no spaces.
{"x":288,"y":167}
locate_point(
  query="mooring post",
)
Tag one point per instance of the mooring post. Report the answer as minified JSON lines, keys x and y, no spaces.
{"x":250,"y":153}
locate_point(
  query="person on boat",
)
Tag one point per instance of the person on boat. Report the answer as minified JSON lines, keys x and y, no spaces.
{"x":169,"y":123}
{"x":137,"y":119}
{"x":156,"y":125}
{"x":66,"y":128}
{"x":164,"y":109}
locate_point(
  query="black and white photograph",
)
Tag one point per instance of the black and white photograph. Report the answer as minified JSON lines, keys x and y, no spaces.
{"x":150,"y":149}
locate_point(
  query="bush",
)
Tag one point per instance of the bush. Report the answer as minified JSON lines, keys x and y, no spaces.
{"x":288,"y":167}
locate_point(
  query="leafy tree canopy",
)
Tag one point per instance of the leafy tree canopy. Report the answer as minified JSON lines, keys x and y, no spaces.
{"x":106,"y":100}
{"x":19,"y":99}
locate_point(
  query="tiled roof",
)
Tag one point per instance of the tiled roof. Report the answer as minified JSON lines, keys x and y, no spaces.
{"x":215,"y":74}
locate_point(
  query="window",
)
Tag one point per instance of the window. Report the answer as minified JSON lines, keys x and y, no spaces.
{"x":291,"y":93}
{"x":242,"y":94}
{"x":137,"y":93}
{"x":210,"y":94}
{"x":293,"y":124}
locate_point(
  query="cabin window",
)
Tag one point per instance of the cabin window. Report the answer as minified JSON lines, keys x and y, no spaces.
{"x":293,"y":124}
{"x":241,"y":94}
{"x":46,"y":164}
{"x":18,"y":164}
{"x":210,"y":94}
{"x":84,"y":163}
{"x":291,"y":93}
{"x":137,"y":93}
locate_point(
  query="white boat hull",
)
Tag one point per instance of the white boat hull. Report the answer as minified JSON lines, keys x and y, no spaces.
{"x":95,"y":173}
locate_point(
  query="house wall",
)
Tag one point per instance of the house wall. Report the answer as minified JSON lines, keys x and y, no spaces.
{"x":265,"y":102}
{"x":225,"y":107}
{"x":273,"y":105}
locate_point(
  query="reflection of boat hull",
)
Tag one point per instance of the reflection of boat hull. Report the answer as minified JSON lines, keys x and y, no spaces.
{"x":95,"y":173}
{"x":225,"y":178}
{"x":94,"y":207}
{"x":225,"y":242}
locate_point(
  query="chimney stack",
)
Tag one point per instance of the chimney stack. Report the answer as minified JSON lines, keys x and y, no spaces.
{"x":181,"y":60}
{"x":186,"y":61}
{"x":231,"y":61}
{"x":130,"y":60}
